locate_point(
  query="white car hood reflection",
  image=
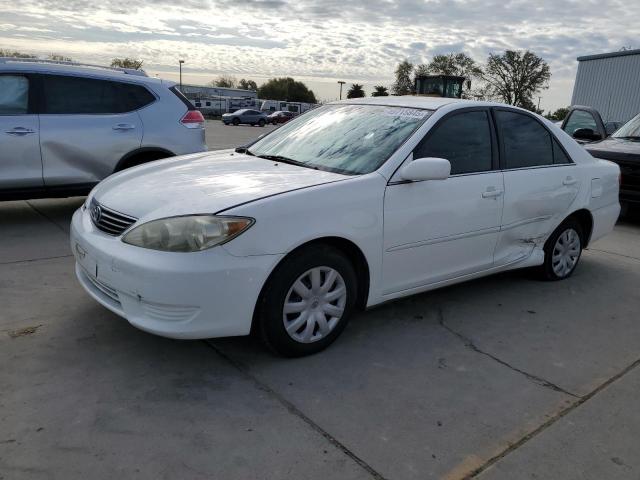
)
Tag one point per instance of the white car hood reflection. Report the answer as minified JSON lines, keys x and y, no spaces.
{"x":203,"y":183}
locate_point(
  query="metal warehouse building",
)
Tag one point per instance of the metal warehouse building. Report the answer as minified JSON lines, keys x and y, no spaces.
{"x":609,"y":82}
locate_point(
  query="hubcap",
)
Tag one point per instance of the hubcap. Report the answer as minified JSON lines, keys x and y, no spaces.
{"x":565,"y":253}
{"x":314,"y":305}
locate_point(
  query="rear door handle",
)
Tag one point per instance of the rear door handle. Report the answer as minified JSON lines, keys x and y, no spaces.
{"x":569,"y":181}
{"x":19,"y":131}
{"x":124,"y":126}
{"x":492,"y":193}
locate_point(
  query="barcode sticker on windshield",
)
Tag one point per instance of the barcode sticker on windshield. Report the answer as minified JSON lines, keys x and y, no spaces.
{"x":407,"y":112}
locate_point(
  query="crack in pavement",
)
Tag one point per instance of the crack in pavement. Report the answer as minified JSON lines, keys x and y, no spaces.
{"x":614,"y":253}
{"x":43,"y":215}
{"x":469,"y":344}
{"x":28,"y":260}
{"x":291,"y":408}
{"x":550,"y":422}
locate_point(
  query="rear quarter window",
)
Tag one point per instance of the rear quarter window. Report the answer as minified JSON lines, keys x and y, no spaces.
{"x":77,"y":95}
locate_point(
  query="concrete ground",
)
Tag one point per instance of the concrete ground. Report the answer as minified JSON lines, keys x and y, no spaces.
{"x":504,"y":377}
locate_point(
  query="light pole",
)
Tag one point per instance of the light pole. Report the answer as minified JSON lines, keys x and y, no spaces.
{"x":341,"y":83}
{"x":180,"y":62}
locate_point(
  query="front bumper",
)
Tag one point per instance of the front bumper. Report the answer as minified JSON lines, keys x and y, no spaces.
{"x":178,"y":295}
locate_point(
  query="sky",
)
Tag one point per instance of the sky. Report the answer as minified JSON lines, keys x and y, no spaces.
{"x":319,"y":42}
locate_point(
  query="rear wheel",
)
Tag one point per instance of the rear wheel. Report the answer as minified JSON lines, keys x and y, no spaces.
{"x":236,"y":121}
{"x":562,"y":251}
{"x":307,"y":301}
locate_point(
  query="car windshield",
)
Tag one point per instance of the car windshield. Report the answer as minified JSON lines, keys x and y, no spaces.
{"x":631,"y":129}
{"x":350,"y":139}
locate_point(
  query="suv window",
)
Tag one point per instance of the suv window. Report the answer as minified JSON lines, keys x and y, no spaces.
{"x":526,"y":142}
{"x":580,"y":119}
{"x":77,"y":95}
{"x":464,"y":139}
{"x":14,"y":94}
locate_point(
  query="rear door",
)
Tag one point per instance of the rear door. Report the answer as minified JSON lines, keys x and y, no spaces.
{"x":87,"y":125}
{"x":20,"y":163}
{"x":540,"y":183}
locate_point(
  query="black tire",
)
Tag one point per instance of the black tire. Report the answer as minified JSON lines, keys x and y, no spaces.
{"x":274,"y":122}
{"x":262,"y":122}
{"x":546,"y":270}
{"x":236,"y":121}
{"x":270,"y":316}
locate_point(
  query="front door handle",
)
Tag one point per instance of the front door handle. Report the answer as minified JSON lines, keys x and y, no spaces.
{"x":569,"y":181}
{"x":492,"y":193}
{"x":19,"y":131}
{"x":124,"y":126}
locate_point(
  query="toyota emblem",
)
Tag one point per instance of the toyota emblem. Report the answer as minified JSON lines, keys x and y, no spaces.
{"x":96,"y":213}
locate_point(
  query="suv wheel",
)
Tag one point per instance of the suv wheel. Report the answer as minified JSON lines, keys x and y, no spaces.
{"x":307,"y":302}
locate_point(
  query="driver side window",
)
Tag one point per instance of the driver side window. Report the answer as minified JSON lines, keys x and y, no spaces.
{"x":464,"y":139}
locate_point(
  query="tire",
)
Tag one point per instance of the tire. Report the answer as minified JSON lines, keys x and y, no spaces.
{"x":292,"y":278}
{"x":274,"y":122}
{"x":262,"y":122}
{"x":236,"y":121}
{"x":569,"y":238}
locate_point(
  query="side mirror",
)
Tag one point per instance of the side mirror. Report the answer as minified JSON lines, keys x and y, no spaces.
{"x":586,"y":134}
{"x":429,"y":168}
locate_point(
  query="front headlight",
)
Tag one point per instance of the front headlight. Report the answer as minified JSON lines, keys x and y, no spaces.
{"x":191,"y":233}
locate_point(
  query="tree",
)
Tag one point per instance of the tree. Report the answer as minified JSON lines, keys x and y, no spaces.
{"x":15,"y":54}
{"x":59,"y":58}
{"x":355,"y":91}
{"x":286,"y":88}
{"x":127,"y":63}
{"x":224,"y":81}
{"x":404,"y":83}
{"x":380,"y":91}
{"x":516,"y":76}
{"x":247,"y":85}
{"x":558,"y":115}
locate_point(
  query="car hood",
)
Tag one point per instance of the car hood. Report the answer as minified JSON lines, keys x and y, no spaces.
{"x":615,"y":149}
{"x":203,"y":183}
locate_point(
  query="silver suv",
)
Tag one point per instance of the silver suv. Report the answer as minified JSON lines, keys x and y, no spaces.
{"x":64,"y":127}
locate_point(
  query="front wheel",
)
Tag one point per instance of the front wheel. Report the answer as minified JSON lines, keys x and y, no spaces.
{"x":562,"y":251}
{"x":307,"y":301}
{"x":236,"y":122}
{"x":262,"y":122}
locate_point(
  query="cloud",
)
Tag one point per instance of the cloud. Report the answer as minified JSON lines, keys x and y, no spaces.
{"x":354,"y":40}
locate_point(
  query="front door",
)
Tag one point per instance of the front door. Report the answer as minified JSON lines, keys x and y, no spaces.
{"x":20,"y":163}
{"x":441,"y":229}
{"x":86,"y":129}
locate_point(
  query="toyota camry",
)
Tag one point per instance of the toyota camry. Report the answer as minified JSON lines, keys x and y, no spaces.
{"x":353,"y":204}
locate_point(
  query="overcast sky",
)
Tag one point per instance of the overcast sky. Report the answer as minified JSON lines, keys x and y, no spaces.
{"x":321,"y":41}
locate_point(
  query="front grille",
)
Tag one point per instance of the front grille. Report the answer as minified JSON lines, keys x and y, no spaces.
{"x":109,"y":221}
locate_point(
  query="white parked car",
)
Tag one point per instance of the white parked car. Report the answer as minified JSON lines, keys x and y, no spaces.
{"x":350,"y":205}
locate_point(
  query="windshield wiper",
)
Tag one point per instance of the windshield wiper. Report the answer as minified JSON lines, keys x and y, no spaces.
{"x":281,"y":159}
{"x":244,"y":150}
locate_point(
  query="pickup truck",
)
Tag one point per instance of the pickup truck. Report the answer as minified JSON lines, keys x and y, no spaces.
{"x":621,"y":146}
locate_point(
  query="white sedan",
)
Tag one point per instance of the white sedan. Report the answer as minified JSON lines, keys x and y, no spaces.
{"x":350,"y":205}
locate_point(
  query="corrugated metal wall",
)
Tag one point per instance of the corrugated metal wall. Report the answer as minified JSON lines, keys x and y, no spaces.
{"x":610,"y":85}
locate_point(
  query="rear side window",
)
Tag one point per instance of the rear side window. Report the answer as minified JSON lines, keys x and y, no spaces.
{"x":559,"y":157}
{"x":526,"y":142}
{"x":77,"y":95}
{"x":14,"y":95}
{"x":464,"y":139}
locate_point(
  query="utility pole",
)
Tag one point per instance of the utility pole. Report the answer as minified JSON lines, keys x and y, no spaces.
{"x":180,"y":62}
{"x":539,"y":103}
{"x":341,"y":83}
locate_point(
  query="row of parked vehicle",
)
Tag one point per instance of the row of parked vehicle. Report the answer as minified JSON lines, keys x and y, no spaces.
{"x":249,"y":116}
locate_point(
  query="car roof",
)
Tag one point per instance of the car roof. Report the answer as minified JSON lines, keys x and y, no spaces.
{"x":413,"y":101}
{"x":78,"y":69}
